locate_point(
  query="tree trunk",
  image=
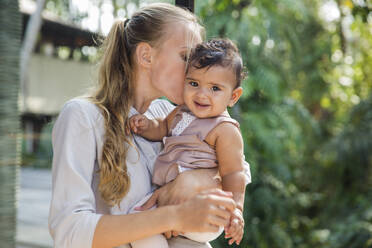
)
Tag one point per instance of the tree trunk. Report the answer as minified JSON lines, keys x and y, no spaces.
{"x":10,"y":40}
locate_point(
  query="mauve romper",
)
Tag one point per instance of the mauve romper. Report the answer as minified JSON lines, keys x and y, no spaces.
{"x":185,"y":148}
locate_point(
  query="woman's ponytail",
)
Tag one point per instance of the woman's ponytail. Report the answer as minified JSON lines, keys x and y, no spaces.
{"x":114,"y":98}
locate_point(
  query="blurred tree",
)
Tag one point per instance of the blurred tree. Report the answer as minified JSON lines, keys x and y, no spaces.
{"x":10,"y":34}
{"x":347,"y":210}
{"x":297,"y":98}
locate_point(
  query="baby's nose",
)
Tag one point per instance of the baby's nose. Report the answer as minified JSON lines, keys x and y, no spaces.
{"x":203,"y":92}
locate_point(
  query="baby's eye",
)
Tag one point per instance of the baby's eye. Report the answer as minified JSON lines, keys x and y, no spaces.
{"x":215,"y":88}
{"x":193,"y":84}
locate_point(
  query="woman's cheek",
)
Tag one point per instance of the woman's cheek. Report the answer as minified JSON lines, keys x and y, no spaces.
{"x":179,"y":96}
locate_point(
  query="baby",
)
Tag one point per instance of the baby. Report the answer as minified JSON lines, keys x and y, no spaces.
{"x":200,"y":133}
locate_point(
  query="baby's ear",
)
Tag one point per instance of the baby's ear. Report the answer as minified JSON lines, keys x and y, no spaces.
{"x":236,"y":94}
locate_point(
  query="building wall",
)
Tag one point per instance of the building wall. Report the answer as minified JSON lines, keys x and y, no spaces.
{"x":53,"y":81}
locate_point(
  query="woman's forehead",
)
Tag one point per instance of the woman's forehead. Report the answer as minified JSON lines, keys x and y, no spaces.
{"x":183,"y":35}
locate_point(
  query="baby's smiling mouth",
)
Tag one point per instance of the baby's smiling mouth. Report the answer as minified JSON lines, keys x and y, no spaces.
{"x":201,"y":105}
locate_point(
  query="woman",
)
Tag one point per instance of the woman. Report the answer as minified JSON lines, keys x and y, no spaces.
{"x":97,"y":163}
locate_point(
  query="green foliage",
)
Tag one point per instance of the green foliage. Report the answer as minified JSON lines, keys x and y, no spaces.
{"x":306,"y":137}
{"x":42,"y":157}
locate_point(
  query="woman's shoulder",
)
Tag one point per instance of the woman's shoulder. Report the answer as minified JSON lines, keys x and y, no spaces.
{"x":81,"y":104}
{"x":81,"y":110}
{"x":160,"y":108}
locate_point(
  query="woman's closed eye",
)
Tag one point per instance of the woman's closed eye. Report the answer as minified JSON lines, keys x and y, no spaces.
{"x":183,"y":56}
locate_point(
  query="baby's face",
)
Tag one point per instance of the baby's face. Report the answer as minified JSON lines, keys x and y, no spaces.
{"x":208,"y":92}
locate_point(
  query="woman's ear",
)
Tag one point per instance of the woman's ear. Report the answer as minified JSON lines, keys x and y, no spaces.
{"x":144,"y":54}
{"x":236,"y":94}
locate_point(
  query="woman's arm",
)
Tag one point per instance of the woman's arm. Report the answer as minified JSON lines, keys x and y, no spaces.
{"x":185,"y":186}
{"x":199,"y":214}
{"x":72,"y":215}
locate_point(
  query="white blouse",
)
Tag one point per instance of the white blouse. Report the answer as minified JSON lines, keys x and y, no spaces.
{"x":77,"y":139}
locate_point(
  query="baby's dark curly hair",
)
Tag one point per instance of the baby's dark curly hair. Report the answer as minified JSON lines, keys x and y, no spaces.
{"x":221,"y":52}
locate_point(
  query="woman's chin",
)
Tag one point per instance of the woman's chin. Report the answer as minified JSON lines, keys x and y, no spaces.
{"x":177,"y":101}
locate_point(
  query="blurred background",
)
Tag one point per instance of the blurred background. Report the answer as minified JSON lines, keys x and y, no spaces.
{"x":306,"y":111}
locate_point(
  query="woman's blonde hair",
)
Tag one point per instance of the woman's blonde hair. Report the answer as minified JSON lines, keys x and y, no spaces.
{"x":114,"y":93}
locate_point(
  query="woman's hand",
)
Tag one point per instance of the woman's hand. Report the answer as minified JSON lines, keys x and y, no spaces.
{"x":184,"y":187}
{"x":205,"y":212}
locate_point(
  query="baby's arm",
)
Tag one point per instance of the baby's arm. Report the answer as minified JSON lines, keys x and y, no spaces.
{"x":151,"y":129}
{"x":229,"y":150}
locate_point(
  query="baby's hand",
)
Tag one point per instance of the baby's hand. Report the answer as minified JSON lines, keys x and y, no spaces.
{"x":235,"y":229}
{"x":139,"y":123}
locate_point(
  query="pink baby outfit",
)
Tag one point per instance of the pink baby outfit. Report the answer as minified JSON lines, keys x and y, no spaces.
{"x":185,"y":148}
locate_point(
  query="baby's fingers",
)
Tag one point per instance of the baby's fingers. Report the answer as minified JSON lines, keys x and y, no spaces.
{"x":168,"y":234}
{"x":132,"y":124}
{"x":138,"y":121}
{"x":218,"y":221}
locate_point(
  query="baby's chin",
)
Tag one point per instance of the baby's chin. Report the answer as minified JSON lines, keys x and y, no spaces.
{"x":205,"y":115}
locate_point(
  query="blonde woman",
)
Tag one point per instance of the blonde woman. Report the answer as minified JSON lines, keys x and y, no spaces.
{"x":97,"y":164}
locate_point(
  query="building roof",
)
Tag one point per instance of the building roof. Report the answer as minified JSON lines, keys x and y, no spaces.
{"x":57,"y":31}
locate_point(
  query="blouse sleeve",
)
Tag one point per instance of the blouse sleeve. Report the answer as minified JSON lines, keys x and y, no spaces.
{"x":72,"y":216}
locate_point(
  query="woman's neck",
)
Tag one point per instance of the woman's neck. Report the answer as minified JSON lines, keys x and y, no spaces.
{"x":144,"y":93}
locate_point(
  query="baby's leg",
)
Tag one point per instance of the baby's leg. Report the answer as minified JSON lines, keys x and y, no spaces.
{"x":182,"y":242}
{"x":155,"y":241}
{"x":203,"y":237}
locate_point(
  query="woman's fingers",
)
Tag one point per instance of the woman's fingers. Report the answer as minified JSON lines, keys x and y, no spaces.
{"x":217,"y":221}
{"x":222,"y":202}
{"x":223,"y":213}
{"x":206,"y":212}
{"x":150,"y":202}
{"x":217,"y":191}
